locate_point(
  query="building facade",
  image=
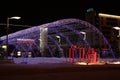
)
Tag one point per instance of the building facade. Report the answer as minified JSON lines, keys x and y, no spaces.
{"x":106,"y":23}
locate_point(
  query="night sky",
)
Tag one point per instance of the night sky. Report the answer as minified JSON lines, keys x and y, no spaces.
{"x":40,"y":12}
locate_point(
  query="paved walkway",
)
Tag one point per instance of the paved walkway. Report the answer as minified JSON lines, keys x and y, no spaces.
{"x":58,"y":71}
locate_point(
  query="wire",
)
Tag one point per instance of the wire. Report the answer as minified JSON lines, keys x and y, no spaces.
{"x":15,"y":25}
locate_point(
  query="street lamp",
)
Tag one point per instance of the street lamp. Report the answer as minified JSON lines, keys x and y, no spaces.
{"x":58,"y":39}
{"x":117,"y":28}
{"x":8,"y":18}
{"x":84,"y":35}
{"x":118,"y":41}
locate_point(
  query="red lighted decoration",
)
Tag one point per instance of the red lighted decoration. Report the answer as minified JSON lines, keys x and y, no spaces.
{"x":88,"y":55}
{"x":80,"y":52}
{"x":91,"y":55}
{"x":73,"y":48}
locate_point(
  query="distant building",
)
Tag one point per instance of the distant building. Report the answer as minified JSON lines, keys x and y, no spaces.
{"x":92,"y":17}
{"x":106,"y":23}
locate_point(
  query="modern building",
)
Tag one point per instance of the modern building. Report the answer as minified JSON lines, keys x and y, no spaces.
{"x":106,"y":23}
{"x":92,"y":17}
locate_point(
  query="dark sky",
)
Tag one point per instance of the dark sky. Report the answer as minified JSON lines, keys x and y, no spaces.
{"x":40,"y":12}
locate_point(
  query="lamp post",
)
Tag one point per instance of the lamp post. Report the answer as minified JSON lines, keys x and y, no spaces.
{"x":58,"y":39}
{"x":117,"y":28}
{"x":8,"y":18}
{"x":118,"y":39}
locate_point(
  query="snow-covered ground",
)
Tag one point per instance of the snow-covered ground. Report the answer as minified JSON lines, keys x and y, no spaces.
{"x":38,"y":60}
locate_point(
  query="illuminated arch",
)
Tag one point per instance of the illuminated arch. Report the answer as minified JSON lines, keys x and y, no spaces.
{"x":34,"y":32}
